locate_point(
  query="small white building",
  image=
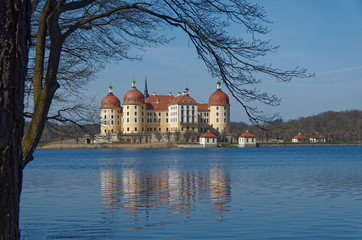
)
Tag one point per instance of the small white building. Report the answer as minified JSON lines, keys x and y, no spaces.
{"x":208,"y":140}
{"x":247,"y":140}
{"x":299,"y":139}
{"x":317,"y":138}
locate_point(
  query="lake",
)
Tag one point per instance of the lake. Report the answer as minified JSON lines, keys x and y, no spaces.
{"x":223,"y":193}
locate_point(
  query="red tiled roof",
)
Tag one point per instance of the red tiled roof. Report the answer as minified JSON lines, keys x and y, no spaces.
{"x":110,"y":102}
{"x":158,"y":102}
{"x":247,"y":135}
{"x":133,"y":96}
{"x":208,"y":135}
{"x":317,"y":136}
{"x":203,"y":107}
{"x":183,"y":99}
{"x":299,"y":136}
{"x":219,"y":98}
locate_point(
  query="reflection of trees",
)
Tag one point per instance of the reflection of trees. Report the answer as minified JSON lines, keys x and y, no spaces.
{"x":143,"y":193}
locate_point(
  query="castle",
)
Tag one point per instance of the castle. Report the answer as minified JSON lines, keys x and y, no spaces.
{"x":144,"y":115}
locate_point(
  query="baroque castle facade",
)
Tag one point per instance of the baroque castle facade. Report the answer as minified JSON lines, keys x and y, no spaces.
{"x":151,"y":114}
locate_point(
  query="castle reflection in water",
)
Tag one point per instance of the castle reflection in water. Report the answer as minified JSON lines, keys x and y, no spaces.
{"x":143,"y":194}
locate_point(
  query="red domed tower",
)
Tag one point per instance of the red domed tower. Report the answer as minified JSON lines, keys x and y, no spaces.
{"x":134,"y":110}
{"x":111,"y":114}
{"x":219,"y":110}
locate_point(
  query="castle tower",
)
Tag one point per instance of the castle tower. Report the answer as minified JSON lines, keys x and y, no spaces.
{"x":134,"y":109}
{"x":111,"y":114}
{"x":219,"y":110}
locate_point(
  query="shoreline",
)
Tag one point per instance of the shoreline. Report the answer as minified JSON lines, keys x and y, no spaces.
{"x":174,"y":145}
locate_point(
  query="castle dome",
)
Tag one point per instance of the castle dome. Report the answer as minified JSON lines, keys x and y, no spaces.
{"x":219,"y":97}
{"x":133,"y":96}
{"x":110,"y":101}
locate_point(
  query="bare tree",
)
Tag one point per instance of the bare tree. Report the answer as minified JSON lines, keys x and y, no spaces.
{"x":177,"y":135}
{"x":158,"y":136}
{"x":194,"y":135}
{"x":14,"y":36}
{"x":187,"y":135}
{"x":168,"y":136}
{"x":73,"y":39}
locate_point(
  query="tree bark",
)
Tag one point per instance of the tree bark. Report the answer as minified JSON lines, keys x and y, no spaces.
{"x":14,"y":35}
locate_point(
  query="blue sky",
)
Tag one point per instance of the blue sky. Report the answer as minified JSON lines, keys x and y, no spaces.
{"x":323,"y":36}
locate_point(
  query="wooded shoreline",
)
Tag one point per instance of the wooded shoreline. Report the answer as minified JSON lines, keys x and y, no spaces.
{"x":174,"y":145}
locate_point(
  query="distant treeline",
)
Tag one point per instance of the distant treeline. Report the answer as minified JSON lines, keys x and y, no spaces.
{"x":334,"y":126}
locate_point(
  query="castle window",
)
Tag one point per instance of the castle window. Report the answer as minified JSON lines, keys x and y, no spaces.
{"x":135,"y":100}
{"x":135,"y":120}
{"x":135,"y":129}
{"x":127,"y":101}
{"x":224,"y":120}
{"x":112,"y":122}
{"x":217,"y":108}
{"x":128,"y":129}
{"x":112,"y":131}
{"x":127,"y":120}
{"x":217,"y":120}
{"x":111,"y":116}
{"x":105,"y":116}
{"x":217,"y":113}
{"x":143,"y":120}
{"x":159,"y":120}
{"x":135,"y":113}
{"x":142,"y":107}
{"x":127,"y":113}
{"x":155,"y":130}
{"x":167,"y":120}
{"x":159,"y":114}
{"x":135,"y":107}
{"x":117,"y":122}
{"x":159,"y":129}
{"x":128,"y":106}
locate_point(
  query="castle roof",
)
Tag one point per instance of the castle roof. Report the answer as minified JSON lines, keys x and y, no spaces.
{"x":183,"y":99}
{"x":133,"y":96}
{"x":110,"y":101}
{"x":158,"y":102}
{"x":203,"y":107}
{"x":219,"y":97}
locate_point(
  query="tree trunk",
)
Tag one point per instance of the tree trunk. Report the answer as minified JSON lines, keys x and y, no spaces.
{"x":14,"y":34}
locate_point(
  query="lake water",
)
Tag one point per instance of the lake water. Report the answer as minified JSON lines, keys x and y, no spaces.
{"x":223,"y":193}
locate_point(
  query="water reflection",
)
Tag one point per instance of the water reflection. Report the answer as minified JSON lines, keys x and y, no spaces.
{"x":147,"y":196}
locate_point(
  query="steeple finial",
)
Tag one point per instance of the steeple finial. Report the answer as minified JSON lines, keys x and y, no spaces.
{"x":146,"y":90}
{"x":218,"y":86}
{"x":110,"y":88}
{"x":134,"y":83}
